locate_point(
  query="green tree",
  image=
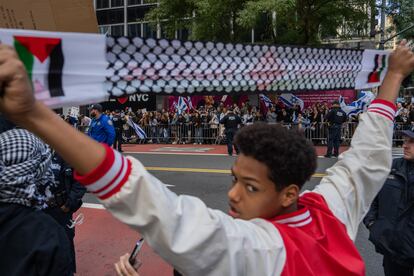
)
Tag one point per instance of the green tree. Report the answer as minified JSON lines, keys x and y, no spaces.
{"x":309,"y":21}
{"x":303,"y":22}
{"x":402,"y":13}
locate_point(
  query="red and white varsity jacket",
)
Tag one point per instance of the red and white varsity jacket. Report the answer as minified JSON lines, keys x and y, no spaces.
{"x":315,"y":240}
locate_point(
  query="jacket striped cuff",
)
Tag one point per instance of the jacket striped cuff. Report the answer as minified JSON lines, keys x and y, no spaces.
{"x":109,"y":177}
{"x":383,"y":107}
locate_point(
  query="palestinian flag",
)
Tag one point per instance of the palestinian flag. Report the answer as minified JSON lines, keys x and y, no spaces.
{"x":44,"y":56}
{"x":380,"y":65}
{"x":66,"y":69}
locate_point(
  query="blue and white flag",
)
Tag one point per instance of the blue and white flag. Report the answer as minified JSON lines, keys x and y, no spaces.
{"x":181,"y":105}
{"x":290,"y":100}
{"x":357,"y":106}
{"x":138,"y":130}
{"x":268,"y":102}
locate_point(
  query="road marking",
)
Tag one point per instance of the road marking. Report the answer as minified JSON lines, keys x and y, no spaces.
{"x":174,"y":153}
{"x":168,"y":169}
{"x":93,"y":206}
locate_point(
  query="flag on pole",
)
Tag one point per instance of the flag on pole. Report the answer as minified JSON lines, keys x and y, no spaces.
{"x":268,"y":102}
{"x":358,"y":106}
{"x":181,"y":105}
{"x":189,"y":103}
{"x":290,"y":100}
{"x":138,"y":130}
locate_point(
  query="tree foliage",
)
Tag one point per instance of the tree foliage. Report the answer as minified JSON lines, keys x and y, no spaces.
{"x":402,"y":13}
{"x":303,"y":22}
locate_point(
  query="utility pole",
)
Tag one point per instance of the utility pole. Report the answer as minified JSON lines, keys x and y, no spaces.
{"x":383,"y":5}
{"x":125,"y":17}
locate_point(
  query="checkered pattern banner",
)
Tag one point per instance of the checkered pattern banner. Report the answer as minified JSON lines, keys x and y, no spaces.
{"x":176,"y":67}
{"x":69,"y":69}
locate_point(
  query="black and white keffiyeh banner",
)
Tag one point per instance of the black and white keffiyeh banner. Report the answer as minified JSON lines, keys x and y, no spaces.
{"x":69,"y":68}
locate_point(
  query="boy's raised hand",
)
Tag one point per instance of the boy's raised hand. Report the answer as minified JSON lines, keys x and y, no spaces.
{"x":401,"y":61}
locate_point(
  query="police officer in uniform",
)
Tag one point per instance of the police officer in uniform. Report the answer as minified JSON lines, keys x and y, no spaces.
{"x":118,"y":121}
{"x":67,"y":200}
{"x":231,"y":122}
{"x":101,"y":128}
{"x":335,"y":118}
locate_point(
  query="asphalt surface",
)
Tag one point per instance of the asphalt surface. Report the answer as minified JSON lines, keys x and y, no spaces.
{"x":212,"y":189}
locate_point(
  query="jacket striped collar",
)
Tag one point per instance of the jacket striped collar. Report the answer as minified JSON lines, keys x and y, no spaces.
{"x":298,"y":218}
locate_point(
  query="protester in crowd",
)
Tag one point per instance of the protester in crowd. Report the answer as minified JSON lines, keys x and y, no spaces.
{"x":231,"y":124}
{"x":196,"y":123}
{"x":271,"y":116}
{"x":335,"y":118}
{"x":390,"y":219}
{"x":277,"y":230}
{"x":66,"y":200}
{"x":31,"y":242}
{"x":247,"y":118}
{"x":214,"y":126}
{"x":101,"y":128}
{"x":85,"y":121}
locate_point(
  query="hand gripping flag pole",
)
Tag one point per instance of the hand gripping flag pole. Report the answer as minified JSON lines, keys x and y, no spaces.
{"x":69,"y":68}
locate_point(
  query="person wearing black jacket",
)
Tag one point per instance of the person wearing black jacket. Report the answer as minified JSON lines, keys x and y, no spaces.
{"x":231,"y":123}
{"x":390,"y":219}
{"x":119,"y":122}
{"x":335,"y":118}
{"x":67,"y":200}
{"x":31,"y":242}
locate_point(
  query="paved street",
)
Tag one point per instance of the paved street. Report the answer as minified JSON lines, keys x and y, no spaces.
{"x":209,"y":182}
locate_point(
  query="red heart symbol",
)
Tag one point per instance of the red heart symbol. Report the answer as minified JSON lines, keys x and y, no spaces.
{"x":122,"y":100}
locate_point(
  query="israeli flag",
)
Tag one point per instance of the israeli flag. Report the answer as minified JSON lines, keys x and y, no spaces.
{"x":289,"y":100}
{"x":357,"y":106}
{"x":138,"y":130}
{"x":181,"y":105}
{"x":268,"y":102}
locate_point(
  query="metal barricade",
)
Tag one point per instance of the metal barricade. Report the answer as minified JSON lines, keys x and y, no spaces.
{"x":188,"y":133}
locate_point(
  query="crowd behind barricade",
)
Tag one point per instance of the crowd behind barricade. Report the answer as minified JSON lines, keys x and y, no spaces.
{"x":200,"y":125}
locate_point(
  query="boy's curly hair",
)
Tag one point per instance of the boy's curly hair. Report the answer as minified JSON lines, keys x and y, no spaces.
{"x":288,"y":155}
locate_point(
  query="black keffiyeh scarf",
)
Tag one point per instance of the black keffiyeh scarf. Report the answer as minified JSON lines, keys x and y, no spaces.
{"x":26,"y":177}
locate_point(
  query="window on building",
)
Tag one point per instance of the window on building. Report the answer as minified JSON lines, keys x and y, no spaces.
{"x":134,"y":30}
{"x":136,"y":14}
{"x":134,"y":2}
{"x":108,"y":17}
{"x":102,"y":4}
{"x":183,"y":34}
{"x":149,"y":31}
{"x":117,"y":30}
{"x":104,"y":29}
{"x":117,"y":3}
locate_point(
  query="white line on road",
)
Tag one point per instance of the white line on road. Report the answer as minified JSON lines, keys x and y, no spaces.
{"x":93,"y":206}
{"x":176,"y":153}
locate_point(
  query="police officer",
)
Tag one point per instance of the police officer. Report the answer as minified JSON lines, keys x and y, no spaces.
{"x":101,"y":128}
{"x":118,"y":121}
{"x":390,"y":219}
{"x":67,"y":200}
{"x":335,"y":118}
{"x":231,"y":122}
